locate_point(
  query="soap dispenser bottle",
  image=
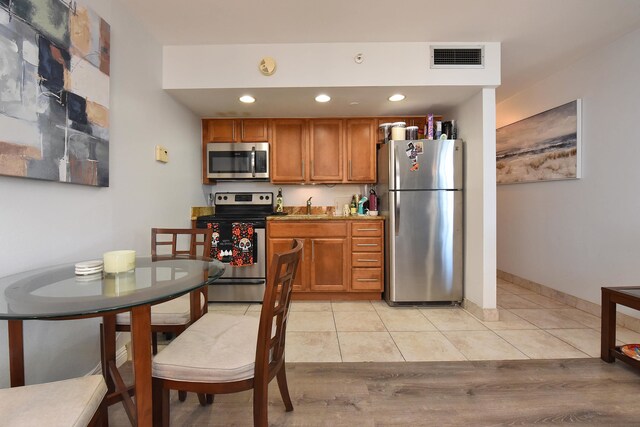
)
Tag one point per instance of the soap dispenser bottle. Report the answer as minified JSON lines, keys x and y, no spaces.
{"x":279,"y":201}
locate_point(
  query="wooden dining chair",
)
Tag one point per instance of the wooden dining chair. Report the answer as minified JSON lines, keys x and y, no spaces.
{"x":176,"y":315}
{"x":74,"y":402}
{"x":223,"y":353}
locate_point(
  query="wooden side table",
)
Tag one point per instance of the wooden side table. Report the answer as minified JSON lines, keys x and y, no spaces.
{"x":629,"y":296}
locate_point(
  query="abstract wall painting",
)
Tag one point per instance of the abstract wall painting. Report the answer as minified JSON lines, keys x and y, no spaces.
{"x":54,"y":92}
{"x":542,"y":147}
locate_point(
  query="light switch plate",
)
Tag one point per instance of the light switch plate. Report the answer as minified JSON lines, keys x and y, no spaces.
{"x":162,"y":154}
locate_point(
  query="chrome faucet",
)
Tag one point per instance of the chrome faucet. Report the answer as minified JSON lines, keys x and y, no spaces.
{"x":309,"y":206}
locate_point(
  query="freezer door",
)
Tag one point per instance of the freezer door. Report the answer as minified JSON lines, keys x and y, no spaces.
{"x":426,"y":164}
{"x":424,"y":241}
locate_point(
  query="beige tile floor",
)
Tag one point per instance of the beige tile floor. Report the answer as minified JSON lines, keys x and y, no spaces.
{"x":531,"y":326}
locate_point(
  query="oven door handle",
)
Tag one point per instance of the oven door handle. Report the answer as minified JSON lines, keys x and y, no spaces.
{"x":253,"y":161}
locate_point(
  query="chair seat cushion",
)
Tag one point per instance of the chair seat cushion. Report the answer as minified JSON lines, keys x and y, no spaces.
{"x":173,"y":312}
{"x":62,"y":403}
{"x":216,"y":348}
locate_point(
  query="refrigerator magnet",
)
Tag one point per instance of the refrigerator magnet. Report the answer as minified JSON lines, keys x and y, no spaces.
{"x":411,"y":151}
{"x":415,"y":167}
{"x":419,"y":147}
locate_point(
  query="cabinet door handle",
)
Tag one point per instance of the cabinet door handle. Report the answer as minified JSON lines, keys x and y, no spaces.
{"x":367,"y":229}
{"x":313,"y":252}
{"x":367,"y":260}
{"x":350,"y":174}
{"x":303,"y":169}
{"x":367,"y":244}
{"x":367,"y":280}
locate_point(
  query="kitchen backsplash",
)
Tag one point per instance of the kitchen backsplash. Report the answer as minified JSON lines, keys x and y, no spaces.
{"x":294,"y":195}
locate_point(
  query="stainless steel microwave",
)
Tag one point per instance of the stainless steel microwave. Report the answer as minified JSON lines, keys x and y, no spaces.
{"x":238,"y":161}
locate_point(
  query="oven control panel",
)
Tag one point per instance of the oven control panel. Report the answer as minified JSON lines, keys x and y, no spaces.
{"x":261,"y":198}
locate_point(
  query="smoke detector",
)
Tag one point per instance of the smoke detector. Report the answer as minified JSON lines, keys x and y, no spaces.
{"x":267,"y":66}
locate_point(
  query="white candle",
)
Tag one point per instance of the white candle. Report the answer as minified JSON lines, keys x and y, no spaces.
{"x":119,"y":261}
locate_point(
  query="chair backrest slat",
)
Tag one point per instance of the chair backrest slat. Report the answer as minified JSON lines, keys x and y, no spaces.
{"x":174,"y":233}
{"x":275,"y":304}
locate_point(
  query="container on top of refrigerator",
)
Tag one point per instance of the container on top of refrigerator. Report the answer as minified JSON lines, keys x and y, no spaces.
{"x":398,"y":131}
{"x":429,"y":126}
{"x":384,"y":132}
{"x":412,"y":133}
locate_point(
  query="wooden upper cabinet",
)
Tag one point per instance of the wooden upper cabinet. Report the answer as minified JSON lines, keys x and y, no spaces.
{"x":254,"y":130}
{"x":235,"y":130}
{"x":326,"y":150}
{"x":288,"y":150}
{"x":219,"y":130}
{"x":361,"y":150}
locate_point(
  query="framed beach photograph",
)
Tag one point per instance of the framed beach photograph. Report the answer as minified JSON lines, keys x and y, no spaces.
{"x":543,"y":147}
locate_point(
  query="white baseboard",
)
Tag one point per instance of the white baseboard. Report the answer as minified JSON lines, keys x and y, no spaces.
{"x":622,"y":319}
{"x":486,"y":314}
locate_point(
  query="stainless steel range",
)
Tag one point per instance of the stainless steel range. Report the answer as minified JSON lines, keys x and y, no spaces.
{"x":239,"y":241}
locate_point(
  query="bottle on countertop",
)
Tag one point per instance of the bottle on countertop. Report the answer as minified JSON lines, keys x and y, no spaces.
{"x":354,"y":205}
{"x":279,"y":201}
{"x":373,"y":200}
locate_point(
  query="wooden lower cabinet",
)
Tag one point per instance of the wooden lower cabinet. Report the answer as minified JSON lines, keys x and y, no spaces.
{"x":328,"y":271}
{"x":329,"y":268}
{"x":367,"y":256}
{"x":275,"y":245}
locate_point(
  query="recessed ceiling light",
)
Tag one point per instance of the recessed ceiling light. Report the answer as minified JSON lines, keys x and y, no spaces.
{"x":354,"y":103}
{"x":396,"y":97}
{"x":323,"y":98}
{"x":247,"y":99}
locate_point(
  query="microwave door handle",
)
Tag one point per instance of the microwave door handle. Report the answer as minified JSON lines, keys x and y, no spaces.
{"x":253,"y":161}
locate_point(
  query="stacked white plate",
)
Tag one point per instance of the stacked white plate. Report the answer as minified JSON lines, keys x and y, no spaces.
{"x":89,"y":268}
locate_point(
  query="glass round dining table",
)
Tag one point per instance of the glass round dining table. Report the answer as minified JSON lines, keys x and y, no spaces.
{"x":57,"y":293}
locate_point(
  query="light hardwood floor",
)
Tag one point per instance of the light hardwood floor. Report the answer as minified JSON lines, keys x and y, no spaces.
{"x":431,"y":372}
{"x":466,"y":393}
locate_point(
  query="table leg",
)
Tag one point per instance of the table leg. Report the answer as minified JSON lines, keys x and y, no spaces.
{"x":608,"y":329}
{"x":108,"y":338}
{"x":141,"y":344}
{"x":16,"y":353}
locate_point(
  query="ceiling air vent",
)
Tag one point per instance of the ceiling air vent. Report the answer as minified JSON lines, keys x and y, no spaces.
{"x":457,"y":57}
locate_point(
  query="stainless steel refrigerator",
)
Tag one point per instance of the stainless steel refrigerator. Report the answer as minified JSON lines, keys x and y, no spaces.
{"x":420,"y":184}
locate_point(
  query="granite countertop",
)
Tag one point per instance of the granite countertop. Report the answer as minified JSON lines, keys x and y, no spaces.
{"x":323,"y":217}
{"x":297,"y":213}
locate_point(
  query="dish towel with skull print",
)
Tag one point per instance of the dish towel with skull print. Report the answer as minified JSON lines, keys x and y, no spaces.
{"x":242,"y":238}
{"x":215,"y":240}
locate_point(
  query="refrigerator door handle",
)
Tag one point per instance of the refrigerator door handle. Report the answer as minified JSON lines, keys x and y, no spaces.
{"x":396,"y":168}
{"x":397,"y":215}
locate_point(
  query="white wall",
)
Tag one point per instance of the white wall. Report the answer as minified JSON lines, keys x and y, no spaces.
{"x":47,"y":223}
{"x":578,"y":235}
{"x":476,"y":119}
{"x":320,"y":64}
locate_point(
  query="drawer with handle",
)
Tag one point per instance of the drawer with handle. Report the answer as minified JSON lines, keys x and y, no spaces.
{"x":366,"y":259}
{"x":366,"y":228}
{"x":366,"y":279}
{"x":366,"y":244}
